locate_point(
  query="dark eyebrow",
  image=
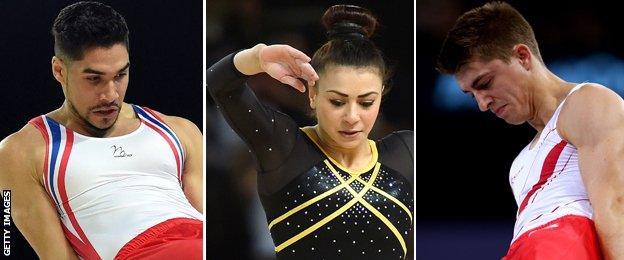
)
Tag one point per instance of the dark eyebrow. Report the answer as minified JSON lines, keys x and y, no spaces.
{"x":368,"y":94}
{"x":92,"y":71}
{"x":360,"y":96}
{"x":339,"y":93}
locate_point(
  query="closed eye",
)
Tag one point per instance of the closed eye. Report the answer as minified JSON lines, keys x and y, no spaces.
{"x":483,"y":86}
{"x":337,"y":102}
{"x":367,"y":103}
{"x":93,"y":79}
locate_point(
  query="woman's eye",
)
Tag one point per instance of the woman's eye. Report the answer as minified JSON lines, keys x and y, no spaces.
{"x":336,"y":102}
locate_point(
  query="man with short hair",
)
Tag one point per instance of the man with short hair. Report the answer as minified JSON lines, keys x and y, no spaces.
{"x":98,"y":178}
{"x":569,"y":181}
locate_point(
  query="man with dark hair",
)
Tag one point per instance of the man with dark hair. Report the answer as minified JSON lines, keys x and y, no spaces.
{"x":569,"y":181}
{"x":98,"y":178}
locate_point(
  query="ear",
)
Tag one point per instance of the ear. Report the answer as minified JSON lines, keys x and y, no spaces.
{"x":59,"y":70}
{"x":312,"y":96}
{"x":524,"y":55}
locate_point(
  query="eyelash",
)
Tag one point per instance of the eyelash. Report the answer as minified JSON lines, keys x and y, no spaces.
{"x":485,"y":85}
{"x":120,"y":76}
{"x":93,"y":79}
{"x":338,"y":103}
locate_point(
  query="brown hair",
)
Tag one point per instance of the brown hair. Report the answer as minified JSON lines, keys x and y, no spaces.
{"x":488,"y":32}
{"x":349,"y":29}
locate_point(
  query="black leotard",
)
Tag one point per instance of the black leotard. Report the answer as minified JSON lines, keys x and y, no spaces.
{"x":316,"y":208}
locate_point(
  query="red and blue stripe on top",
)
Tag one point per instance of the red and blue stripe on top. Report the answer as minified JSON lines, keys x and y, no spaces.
{"x":58,"y":147}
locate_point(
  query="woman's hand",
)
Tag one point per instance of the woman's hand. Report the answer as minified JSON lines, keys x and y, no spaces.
{"x":282,"y":62}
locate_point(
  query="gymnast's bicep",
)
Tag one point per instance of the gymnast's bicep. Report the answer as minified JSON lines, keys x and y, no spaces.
{"x":32,"y":211}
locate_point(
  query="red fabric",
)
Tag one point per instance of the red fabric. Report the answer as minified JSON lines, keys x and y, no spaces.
{"x":547,"y":170}
{"x":178,"y":238}
{"x":569,"y":237}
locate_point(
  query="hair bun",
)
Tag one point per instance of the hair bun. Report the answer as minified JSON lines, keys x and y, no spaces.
{"x":348,"y":21}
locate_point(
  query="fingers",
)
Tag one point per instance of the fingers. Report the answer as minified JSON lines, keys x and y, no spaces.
{"x":297,"y":54}
{"x":308,"y":73}
{"x":294,"y":82}
{"x":286,"y":64}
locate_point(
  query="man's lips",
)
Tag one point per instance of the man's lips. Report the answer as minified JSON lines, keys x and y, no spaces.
{"x":499,"y":110}
{"x":106,"y":110}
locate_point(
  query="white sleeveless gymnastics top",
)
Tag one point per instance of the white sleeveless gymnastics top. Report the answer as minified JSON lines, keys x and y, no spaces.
{"x":546,"y":180}
{"x":109,"y":190}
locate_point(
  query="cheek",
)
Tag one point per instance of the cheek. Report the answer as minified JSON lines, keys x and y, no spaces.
{"x":327,"y":113}
{"x":370,"y":115}
{"x":78,"y":92}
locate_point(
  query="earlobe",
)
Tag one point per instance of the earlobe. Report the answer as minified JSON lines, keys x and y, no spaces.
{"x":523,"y":54}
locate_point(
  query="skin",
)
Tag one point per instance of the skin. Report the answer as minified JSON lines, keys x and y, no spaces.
{"x":94,"y":89}
{"x":346,"y":99}
{"x":524,"y":90}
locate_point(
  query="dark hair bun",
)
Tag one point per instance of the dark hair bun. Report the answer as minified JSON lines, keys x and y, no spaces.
{"x":346,"y":21}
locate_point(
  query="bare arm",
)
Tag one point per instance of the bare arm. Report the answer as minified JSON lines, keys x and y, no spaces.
{"x":192,"y":175}
{"x":593,"y":121}
{"x":32,"y":211}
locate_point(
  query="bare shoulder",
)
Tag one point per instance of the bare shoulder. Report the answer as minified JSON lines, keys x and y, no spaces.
{"x":20,"y":152}
{"x":592,"y":109}
{"x":21,"y":142}
{"x":179,"y":124}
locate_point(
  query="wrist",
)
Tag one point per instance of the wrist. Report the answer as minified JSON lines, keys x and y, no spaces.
{"x":248,"y":61}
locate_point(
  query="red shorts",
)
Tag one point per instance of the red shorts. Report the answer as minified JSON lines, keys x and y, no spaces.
{"x":568,"y":237}
{"x":178,"y":238}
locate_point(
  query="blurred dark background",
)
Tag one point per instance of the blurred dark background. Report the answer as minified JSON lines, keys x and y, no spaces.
{"x":236,"y":225}
{"x":165,"y":52}
{"x":465,"y":208}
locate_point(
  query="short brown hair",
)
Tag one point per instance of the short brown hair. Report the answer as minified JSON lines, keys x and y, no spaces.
{"x":488,"y":32}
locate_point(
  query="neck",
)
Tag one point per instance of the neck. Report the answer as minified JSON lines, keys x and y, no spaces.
{"x":548,"y":91}
{"x":352,"y":158}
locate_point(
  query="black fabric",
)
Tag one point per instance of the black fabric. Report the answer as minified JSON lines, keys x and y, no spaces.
{"x":293,"y":170}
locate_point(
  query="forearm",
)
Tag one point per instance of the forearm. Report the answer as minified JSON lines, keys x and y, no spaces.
{"x":609,"y":221}
{"x":603,"y":175}
{"x":42,"y":229}
{"x":193,"y":191}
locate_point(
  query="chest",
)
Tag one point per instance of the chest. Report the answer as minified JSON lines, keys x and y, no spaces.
{"x":347,"y":215}
{"x":79,"y":163}
{"x":541,"y":160}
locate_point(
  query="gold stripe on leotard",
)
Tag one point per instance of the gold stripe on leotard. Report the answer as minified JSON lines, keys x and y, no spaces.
{"x":310,"y":202}
{"x":390,"y":197}
{"x":310,"y":132}
{"x":358,"y":197}
{"x":317,"y":225}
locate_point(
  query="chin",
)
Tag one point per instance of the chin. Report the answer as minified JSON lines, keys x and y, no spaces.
{"x":102,"y":126}
{"x":350,"y":144}
{"x":514,"y":121}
